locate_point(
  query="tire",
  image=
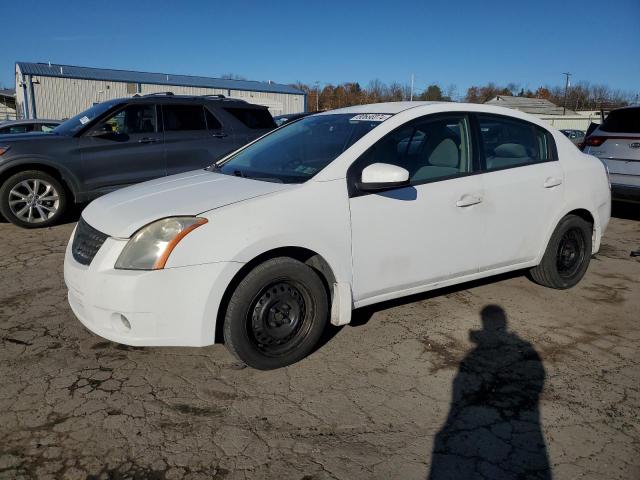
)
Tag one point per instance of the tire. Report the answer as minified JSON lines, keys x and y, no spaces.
{"x":32,"y":199}
{"x":567,"y":256}
{"x":276,"y":315}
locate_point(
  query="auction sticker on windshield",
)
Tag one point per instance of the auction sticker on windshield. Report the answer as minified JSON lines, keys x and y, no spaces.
{"x":84,"y":120}
{"x":370,"y":117}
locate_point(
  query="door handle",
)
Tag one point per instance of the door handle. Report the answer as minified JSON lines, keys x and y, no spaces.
{"x":148,"y":140}
{"x":218,"y":134}
{"x":551,"y":182}
{"x":468,"y":200}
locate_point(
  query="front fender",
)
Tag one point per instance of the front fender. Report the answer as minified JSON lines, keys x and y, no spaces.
{"x":32,"y":162}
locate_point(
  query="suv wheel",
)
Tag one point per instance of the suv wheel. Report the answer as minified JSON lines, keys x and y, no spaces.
{"x":276,"y":315}
{"x":32,"y":199}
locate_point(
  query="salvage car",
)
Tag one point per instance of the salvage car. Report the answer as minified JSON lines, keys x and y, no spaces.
{"x":617,"y":143}
{"x":118,"y":143}
{"x":335,"y":211}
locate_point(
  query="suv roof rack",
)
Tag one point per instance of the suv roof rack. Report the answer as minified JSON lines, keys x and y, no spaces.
{"x":216,"y":95}
{"x":169,"y":94}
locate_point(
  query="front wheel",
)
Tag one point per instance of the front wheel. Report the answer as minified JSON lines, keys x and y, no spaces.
{"x":276,"y":315}
{"x":32,"y":199}
{"x":567,"y":256}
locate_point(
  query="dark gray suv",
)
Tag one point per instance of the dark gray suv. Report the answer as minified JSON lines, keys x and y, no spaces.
{"x":119,"y":143}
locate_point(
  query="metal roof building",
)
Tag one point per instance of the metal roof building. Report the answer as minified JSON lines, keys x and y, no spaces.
{"x":45,"y":90}
{"x":7,"y":104}
{"x":534,"y":106}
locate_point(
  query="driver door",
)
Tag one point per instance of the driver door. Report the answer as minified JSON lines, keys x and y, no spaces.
{"x":124,"y":149}
{"x":408,"y":237}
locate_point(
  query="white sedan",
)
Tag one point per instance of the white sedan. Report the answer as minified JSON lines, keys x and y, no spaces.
{"x":333,"y":212}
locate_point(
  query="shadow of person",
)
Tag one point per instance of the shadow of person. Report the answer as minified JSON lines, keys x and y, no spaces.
{"x":493,"y":429}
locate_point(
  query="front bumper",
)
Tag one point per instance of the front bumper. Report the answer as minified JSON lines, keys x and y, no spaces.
{"x":174,"y":306}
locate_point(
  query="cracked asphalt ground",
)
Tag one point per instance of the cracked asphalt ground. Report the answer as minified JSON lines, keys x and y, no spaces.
{"x":497,"y":379}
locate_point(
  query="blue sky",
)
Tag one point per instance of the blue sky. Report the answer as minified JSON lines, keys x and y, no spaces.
{"x":458,"y":42}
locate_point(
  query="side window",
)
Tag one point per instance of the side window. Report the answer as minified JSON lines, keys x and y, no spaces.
{"x":212,"y":121}
{"x":136,"y":118}
{"x":25,"y":128}
{"x":179,"y":118}
{"x":429,"y":149}
{"x":511,"y":143}
{"x":254,"y":118}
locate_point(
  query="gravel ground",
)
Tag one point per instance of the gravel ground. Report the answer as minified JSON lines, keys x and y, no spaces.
{"x":495,"y":379}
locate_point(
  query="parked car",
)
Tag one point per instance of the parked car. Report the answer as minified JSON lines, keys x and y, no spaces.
{"x":283,"y":119}
{"x":337,"y":210}
{"x":617,"y":143}
{"x":576,"y":136}
{"x":119,"y":143}
{"x":12,"y":127}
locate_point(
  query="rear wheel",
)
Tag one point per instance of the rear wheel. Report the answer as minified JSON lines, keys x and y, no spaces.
{"x":276,"y":315}
{"x":32,"y":199}
{"x":567,"y":256}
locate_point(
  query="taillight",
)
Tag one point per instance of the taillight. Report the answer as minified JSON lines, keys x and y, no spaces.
{"x":595,"y":141}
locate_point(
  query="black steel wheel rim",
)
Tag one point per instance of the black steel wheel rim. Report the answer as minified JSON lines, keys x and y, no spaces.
{"x":280,"y":317}
{"x":570,"y":253}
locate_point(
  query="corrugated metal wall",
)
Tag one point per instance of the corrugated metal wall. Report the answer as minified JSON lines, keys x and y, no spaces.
{"x":7,"y":112}
{"x":66,"y":97}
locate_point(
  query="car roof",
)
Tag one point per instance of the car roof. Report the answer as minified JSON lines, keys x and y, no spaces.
{"x":425,"y":108}
{"x":164,"y":98}
{"x":386,"y":107}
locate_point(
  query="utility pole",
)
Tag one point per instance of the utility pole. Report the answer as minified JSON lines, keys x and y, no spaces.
{"x":566,"y":88}
{"x":317,"y":96}
{"x":411,"y":95}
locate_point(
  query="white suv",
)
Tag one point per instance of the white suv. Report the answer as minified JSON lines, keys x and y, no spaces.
{"x":332,"y":212}
{"x":617,"y":143}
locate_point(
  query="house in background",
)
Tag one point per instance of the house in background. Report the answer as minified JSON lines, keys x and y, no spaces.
{"x":534,"y":106}
{"x":553,"y":114}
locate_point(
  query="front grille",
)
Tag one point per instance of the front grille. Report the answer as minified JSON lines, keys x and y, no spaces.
{"x":86,"y":242}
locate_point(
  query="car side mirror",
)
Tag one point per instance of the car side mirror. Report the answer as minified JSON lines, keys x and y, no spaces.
{"x":101,"y":130}
{"x":380,"y":176}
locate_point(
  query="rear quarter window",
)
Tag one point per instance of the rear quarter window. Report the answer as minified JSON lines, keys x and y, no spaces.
{"x":254,"y":118}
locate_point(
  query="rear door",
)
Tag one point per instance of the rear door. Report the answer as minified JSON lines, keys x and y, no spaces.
{"x":125,"y":148}
{"x":523,"y":185}
{"x":617,"y":143}
{"x":194,"y":137}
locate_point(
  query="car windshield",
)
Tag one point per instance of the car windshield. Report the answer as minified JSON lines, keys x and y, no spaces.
{"x":77,"y":123}
{"x":299,"y":150}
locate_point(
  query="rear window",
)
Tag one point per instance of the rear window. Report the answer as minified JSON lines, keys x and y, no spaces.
{"x":255,"y":118}
{"x":626,"y":120}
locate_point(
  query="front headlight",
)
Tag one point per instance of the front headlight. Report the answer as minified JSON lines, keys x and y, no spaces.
{"x":150,"y":247}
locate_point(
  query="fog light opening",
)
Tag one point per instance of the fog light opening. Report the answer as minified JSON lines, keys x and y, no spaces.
{"x":120,"y":323}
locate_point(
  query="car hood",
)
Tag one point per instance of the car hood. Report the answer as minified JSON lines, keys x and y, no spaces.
{"x":12,"y":137}
{"x":121,"y":213}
